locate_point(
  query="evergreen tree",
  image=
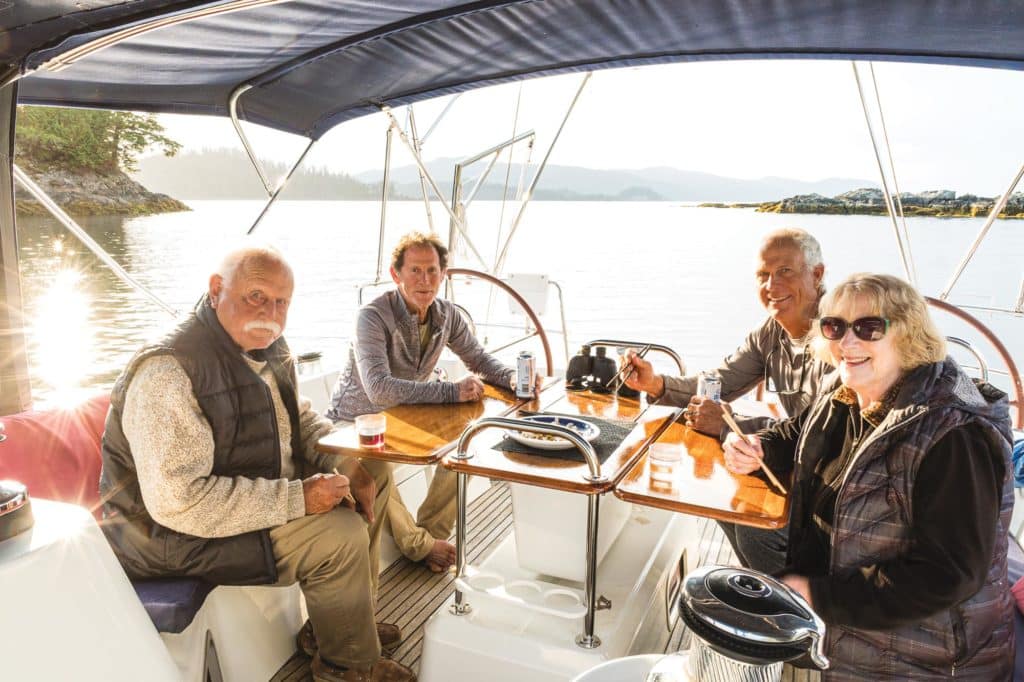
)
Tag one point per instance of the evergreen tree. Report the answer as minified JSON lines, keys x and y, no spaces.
{"x":87,"y":139}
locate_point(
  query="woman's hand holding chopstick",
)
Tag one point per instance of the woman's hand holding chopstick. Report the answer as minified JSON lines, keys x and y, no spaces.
{"x":743,"y":455}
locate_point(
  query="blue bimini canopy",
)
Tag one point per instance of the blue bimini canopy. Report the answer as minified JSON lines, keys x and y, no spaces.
{"x":308,"y":65}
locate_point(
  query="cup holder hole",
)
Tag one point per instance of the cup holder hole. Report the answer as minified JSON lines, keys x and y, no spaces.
{"x":485,"y":581}
{"x":561,"y":599}
{"x":523,"y":589}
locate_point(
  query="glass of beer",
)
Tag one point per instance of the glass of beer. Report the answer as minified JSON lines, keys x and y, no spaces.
{"x":370,"y":428}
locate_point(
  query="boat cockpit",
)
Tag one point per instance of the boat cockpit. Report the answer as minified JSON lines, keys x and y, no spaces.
{"x":583,"y":565}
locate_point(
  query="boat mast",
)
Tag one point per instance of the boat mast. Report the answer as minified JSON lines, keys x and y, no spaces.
{"x":15,"y":391}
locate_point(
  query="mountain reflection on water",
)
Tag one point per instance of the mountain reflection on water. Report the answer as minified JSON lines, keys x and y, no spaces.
{"x":648,"y":271}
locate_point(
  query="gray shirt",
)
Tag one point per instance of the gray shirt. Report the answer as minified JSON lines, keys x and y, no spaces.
{"x":387,"y":367}
{"x":768,"y":353}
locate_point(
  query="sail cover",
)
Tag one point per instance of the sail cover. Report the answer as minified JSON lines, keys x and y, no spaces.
{"x":313,"y":64}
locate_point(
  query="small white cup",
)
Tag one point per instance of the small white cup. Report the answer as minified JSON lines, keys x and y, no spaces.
{"x":663,"y":458}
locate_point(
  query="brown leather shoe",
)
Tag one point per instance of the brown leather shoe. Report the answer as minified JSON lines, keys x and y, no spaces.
{"x":390,"y":637}
{"x":384,"y":670}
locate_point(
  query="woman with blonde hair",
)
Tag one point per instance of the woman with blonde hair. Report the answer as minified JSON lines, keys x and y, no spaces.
{"x":902,"y":495}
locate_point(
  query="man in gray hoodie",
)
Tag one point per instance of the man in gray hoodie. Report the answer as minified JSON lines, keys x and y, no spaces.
{"x":399,"y":338}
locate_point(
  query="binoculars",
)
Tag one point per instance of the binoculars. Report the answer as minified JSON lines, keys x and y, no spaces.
{"x":594,"y":372}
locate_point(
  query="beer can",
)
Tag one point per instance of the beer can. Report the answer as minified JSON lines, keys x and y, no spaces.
{"x":526,"y":370}
{"x":709,"y":385}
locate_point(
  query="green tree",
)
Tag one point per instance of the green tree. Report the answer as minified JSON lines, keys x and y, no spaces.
{"x":88,"y":139}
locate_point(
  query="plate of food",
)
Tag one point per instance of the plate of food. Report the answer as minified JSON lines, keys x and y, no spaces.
{"x":543,"y":441}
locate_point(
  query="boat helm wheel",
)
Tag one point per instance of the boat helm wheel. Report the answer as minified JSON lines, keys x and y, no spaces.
{"x":541,"y":334}
{"x":1011,"y":368}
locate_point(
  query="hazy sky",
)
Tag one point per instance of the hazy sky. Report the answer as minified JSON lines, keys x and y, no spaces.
{"x":950,"y":127}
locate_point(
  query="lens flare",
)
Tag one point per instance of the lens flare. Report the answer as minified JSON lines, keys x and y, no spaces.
{"x":61,"y":333}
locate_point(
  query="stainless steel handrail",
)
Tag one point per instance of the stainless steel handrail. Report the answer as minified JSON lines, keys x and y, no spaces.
{"x":615,"y":343}
{"x":963,"y":343}
{"x":585,"y":448}
{"x":587,"y":639}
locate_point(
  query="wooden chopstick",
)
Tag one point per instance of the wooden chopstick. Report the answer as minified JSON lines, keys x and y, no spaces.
{"x":348,"y":496}
{"x":727,"y":416}
{"x":628,"y":369}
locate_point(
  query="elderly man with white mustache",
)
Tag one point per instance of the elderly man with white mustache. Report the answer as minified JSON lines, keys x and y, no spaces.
{"x":210,"y":471}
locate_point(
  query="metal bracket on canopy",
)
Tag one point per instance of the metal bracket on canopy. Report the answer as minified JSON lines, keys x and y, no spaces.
{"x":272,"y":192}
{"x":233,"y":112}
{"x":281,"y":186}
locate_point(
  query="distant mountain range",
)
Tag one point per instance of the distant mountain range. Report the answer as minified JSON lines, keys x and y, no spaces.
{"x":227,"y":174}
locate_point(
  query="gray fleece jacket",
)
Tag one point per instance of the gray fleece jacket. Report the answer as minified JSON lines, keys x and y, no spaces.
{"x":386,"y":367}
{"x":769,"y":353}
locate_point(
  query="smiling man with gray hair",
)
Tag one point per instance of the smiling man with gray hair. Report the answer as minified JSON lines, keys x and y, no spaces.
{"x":789,"y":275}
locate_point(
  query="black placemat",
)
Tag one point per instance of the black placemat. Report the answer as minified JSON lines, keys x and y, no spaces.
{"x":612,"y":434}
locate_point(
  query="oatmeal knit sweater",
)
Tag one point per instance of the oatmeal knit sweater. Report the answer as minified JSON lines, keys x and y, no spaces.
{"x":174,"y":457}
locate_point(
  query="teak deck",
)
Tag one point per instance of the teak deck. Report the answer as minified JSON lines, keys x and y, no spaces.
{"x":410,"y":593}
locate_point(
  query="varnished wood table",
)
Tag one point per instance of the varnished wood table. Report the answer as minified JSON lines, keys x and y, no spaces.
{"x":422,"y":434}
{"x":702,"y":486}
{"x":564,"y":474}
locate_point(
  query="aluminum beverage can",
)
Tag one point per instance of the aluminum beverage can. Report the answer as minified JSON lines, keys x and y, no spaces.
{"x":526,"y":370}
{"x":709,"y":385}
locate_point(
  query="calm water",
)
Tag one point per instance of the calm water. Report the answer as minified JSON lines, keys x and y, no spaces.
{"x":678,"y":275}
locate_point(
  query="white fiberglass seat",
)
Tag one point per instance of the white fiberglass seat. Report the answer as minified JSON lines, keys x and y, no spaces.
{"x":244,"y":633}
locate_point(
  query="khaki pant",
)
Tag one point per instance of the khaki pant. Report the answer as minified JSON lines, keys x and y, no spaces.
{"x":334,"y":557}
{"x":435,"y":519}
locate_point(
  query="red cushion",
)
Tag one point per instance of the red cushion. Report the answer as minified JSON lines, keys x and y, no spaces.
{"x":56,"y":453}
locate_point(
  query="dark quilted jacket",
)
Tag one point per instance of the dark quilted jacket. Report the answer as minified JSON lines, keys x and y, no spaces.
{"x":970,"y":640}
{"x":239,"y":408}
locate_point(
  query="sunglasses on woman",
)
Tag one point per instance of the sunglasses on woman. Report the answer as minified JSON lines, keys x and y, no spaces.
{"x":864,"y":328}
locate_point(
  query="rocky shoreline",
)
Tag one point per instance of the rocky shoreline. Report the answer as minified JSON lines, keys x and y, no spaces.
{"x":86,"y":193}
{"x":868,"y":201}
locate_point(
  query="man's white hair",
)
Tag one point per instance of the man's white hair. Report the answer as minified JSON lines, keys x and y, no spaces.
{"x":250,"y":254}
{"x":801,"y":239}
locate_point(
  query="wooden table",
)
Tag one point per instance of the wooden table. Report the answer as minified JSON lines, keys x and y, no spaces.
{"x":422,"y":434}
{"x":563,"y":474}
{"x":702,"y":486}
{"x":425,"y":434}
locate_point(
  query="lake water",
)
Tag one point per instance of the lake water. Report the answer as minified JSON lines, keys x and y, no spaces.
{"x":674,"y":274}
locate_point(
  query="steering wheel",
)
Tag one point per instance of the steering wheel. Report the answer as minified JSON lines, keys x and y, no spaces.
{"x":520,"y":301}
{"x":1011,"y":368}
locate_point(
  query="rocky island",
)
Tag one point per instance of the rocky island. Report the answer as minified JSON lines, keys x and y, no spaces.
{"x":87,"y":192}
{"x":870,"y":201}
{"x":80,"y":158}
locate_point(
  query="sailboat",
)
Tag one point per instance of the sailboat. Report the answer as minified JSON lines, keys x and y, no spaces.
{"x":305,"y":67}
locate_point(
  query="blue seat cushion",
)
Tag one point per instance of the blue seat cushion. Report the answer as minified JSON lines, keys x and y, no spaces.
{"x":172,"y":603}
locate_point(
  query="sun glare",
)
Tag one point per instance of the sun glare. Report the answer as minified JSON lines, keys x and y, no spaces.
{"x":61,"y":332}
